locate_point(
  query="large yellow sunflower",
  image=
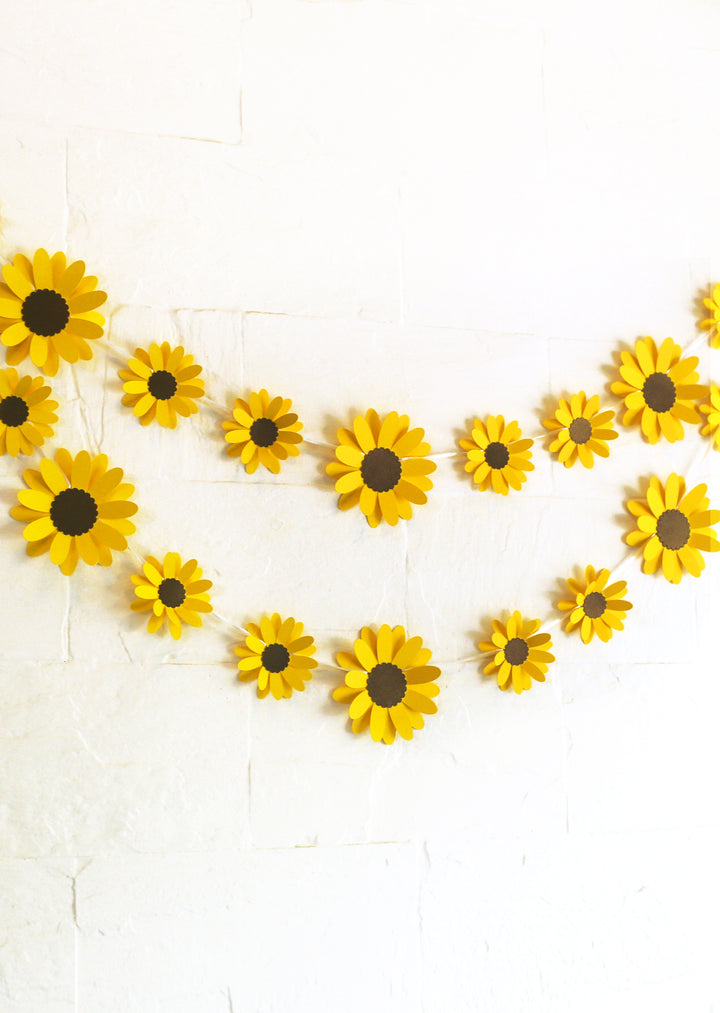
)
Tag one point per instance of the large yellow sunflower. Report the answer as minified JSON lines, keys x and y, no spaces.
{"x":162,"y":383}
{"x":660,"y":389}
{"x":675,"y":526}
{"x":27,"y":414}
{"x":497,"y":456}
{"x":712,"y":323}
{"x":278,"y":655}
{"x":712,"y":410}
{"x":521,"y":653}
{"x":171,"y":590}
{"x":263,"y":431}
{"x":76,"y":509}
{"x":595,"y":607}
{"x":582,"y":430}
{"x":389,"y":683}
{"x":380,"y":467}
{"x":47,"y":310}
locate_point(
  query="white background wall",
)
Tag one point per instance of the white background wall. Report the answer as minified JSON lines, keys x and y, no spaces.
{"x":445,"y":207}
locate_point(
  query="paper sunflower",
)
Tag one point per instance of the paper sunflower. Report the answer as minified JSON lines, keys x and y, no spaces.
{"x":521,"y":653}
{"x":278,"y":655}
{"x":595,"y":607}
{"x":162,"y":383}
{"x":675,"y":526}
{"x":659,"y":388}
{"x":47,"y":310}
{"x":497,"y":456}
{"x":582,"y":430}
{"x":173,"y":590}
{"x":76,"y":509}
{"x":712,"y":323}
{"x":389,"y":683}
{"x":380,"y":467}
{"x":27,"y":414}
{"x":712,"y":410}
{"x":263,"y":431}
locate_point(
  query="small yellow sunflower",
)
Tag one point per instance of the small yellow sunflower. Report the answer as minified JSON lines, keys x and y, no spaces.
{"x":712,"y":410}
{"x":162,"y":383}
{"x":582,"y":430}
{"x":173,"y":590}
{"x":659,"y":388}
{"x":712,"y":323}
{"x":27,"y":414}
{"x":278,"y":655}
{"x":76,"y":509}
{"x":389,"y":683}
{"x":264,"y":431}
{"x":520,"y":652}
{"x":47,"y":310}
{"x":675,"y":526}
{"x":497,"y":456}
{"x":380,"y":467}
{"x":596,"y":607}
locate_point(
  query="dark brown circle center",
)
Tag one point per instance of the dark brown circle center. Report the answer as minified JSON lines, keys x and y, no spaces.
{"x":594,"y":605}
{"x":73,"y":511}
{"x":13,"y":410}
{"x":580,"y":430}
{"x":45,"y":312}
{"x":386,"y":684}
{"x":516,"y":651}
{"x":497,"y":455}
{"x":673,"y":529}
{"x":659,"y":392}
{"x":162,"y":385}
{"x":381,"y":469}
{"x":171,"y":592}
{"x":263,"y":432}
{"x":276,"y":658}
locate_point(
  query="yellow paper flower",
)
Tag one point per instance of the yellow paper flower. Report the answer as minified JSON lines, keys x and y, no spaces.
{"x":389,"y":683}
{"x":595,"y":607}
{"x":278,"y":655}
{"x":47,"y":310}
{"x":582,"y":430}
{"x":497,"y":456}
{"x":75,"y":509}
{"x":172,"y":590}
{"x":675,"y":526}
{"x":712,"y":410}
{"x":521,"y":653}
{"x":380,"y":467}
{"x":27,"y":414}
{"x":263,"y":431}
{"x":712,"y":323}
{"x":659,"y":388}
{"x":162,"y":383}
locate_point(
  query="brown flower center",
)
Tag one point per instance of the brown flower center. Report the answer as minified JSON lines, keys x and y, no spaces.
{"x":276,"y":658}
{"x":171,"y":592}
{"x":381,"y":469}
{"x":673,"y":529}
{"x":594,"y":605}
{"x":580,"y":430}
{"x":162,"y":385}
{"x":263,"y":433}
{"x":497,"y":455}
{"x":386,"y":684}
{"x":516,"y":651}
{"x":45,"y":312}
{"x":659,"y":392}
{"x":73,"y":511}
{"x":13,"y":410}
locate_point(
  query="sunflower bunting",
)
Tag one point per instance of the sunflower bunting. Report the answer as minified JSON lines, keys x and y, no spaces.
{"x":162,"y":383}
{"x":497,"y":456}
{"x":172,"y":591}
{"x":712,"y":410}
{"x":595,"y":607}
{"x":520,"y":652}
{"x":47,"y":310}
{"x":75,"y":508}
{"x":675,"y":527}
{"x":278,"y":655}
{"x":582,"y":430}
{"x":660,"y":389}
{"x":389,"y":683}
{"x":712,"y":323}
{"x":27,"y":414}
{"x":263,"y":431}
{"x":380,"y":467}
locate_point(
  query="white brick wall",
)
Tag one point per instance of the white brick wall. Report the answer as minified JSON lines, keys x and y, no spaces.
{"x":446,"y":207}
